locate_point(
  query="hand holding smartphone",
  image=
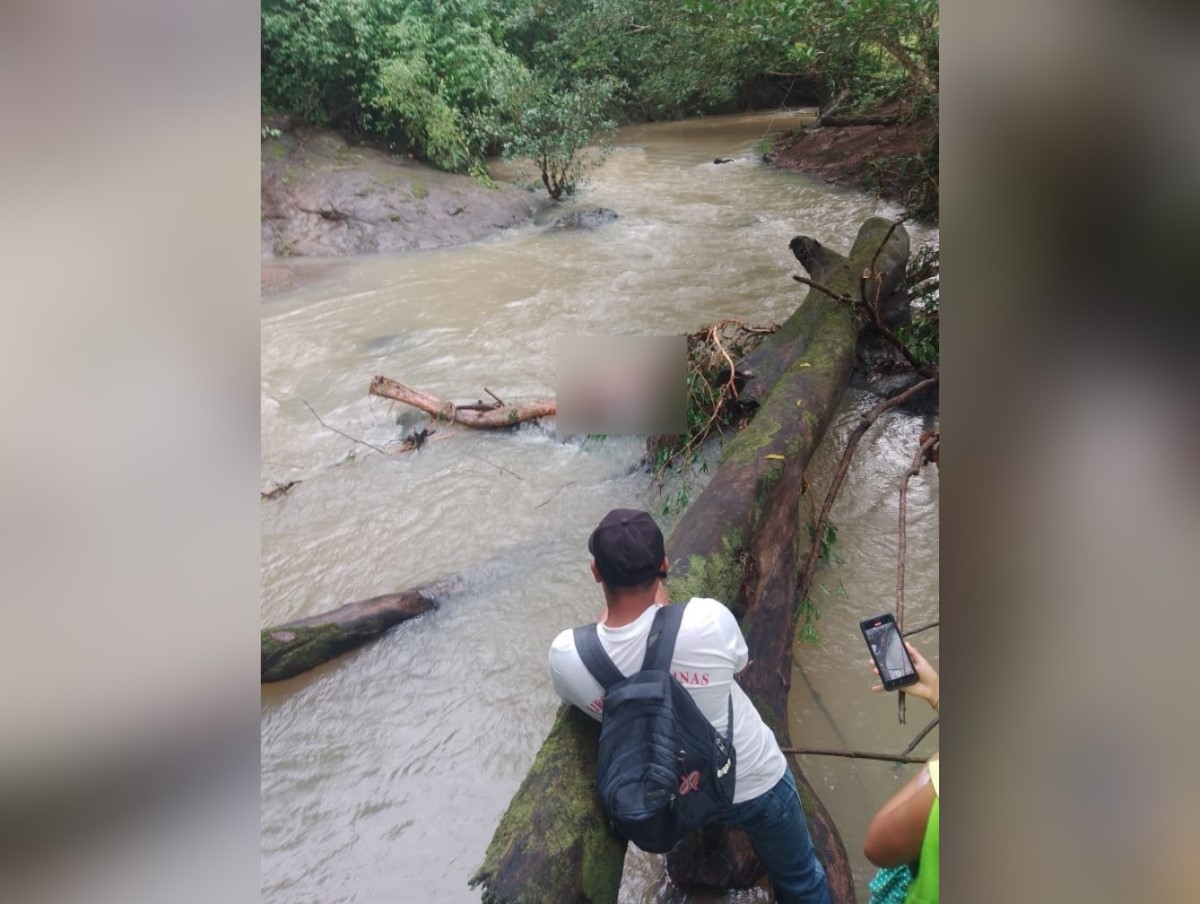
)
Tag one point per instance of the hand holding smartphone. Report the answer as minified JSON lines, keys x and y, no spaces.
{"x":892,"y":661}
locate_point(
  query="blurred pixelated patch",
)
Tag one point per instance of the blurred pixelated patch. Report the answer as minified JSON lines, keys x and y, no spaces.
{"x":618,"y":385}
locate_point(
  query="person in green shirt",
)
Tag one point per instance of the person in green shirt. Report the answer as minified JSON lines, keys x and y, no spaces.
{"x":905,"y":830}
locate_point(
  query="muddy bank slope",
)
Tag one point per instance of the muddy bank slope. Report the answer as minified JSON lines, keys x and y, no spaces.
{"x":323,"y":197}
{"x":884,"y":159}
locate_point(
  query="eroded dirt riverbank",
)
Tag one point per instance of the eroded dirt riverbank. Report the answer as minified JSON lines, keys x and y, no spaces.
{"x":323,"y":197}
{"x":883,"y":159}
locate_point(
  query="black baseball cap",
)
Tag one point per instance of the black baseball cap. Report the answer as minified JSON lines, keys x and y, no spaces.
{"x":628,"y":548}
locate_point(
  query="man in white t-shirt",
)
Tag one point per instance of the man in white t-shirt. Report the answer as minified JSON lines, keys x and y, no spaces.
{"x":629,"y":561}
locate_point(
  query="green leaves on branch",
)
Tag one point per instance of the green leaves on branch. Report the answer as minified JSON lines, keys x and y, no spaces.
{"x":434,"y":76}
{"x":865,"y":51}
{"x":870,"y":51}
{"x":453,"y":80}
{"x":441,"y":88}
{"x":555,"y":126}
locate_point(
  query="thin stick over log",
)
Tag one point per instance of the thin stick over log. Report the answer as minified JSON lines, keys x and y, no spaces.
{"x":854,"y":754}
{"x":921,"y":734}
{"x":911,"y":631}
{"x":487,"y":418}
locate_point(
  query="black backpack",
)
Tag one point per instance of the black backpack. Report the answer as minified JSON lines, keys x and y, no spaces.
{"x":663,"y":769}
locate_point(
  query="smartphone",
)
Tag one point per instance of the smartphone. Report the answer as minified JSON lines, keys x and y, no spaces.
{"x":887,"y":648}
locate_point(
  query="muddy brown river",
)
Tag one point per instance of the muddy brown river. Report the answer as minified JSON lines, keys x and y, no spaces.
{"x":385,"y":773}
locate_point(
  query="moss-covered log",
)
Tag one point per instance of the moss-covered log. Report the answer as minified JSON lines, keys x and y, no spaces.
{"x":779,"y":351}
{"x":748,"y":516}
{"x":735,"y":543}
{"x":552,"y":844}
{"x":722,"y":858}
{"x":288,"y":650}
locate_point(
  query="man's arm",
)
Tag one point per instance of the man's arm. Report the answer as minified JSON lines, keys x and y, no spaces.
{"x":897,"y":831}
{"x":567,"y":675}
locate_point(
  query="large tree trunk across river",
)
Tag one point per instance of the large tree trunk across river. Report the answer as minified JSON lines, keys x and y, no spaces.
{"x":736,"y":543}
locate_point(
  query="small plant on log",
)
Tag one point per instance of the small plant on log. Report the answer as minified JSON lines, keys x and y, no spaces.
{"x":829,"y":554}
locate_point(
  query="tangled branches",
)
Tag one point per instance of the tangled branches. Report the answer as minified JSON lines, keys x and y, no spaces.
{"x":714,"y":385}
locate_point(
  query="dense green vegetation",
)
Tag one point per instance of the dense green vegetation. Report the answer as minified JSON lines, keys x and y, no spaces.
{"x":453,"y":80}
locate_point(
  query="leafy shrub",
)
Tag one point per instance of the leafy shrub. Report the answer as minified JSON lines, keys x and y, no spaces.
{"x":554,"y":125}
{"x":427,"y":73}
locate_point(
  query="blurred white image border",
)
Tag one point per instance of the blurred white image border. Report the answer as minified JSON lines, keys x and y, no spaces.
{"x":129,"y":461}
{"x":128,"y":465}
{"x":1070,"y":487}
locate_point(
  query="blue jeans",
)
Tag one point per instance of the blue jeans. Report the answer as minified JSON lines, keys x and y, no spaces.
{"x":775,"y":824}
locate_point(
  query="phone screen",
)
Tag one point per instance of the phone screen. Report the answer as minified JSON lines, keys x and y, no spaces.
{"x":887,"y":648}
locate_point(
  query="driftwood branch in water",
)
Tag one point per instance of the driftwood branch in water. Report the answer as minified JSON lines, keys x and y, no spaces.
{"x":855,"y":754}
{"x":735,"y":543}
{"x":355,"y":439}
{"x":494,"y":465}
{"x":473,"y":415}
{"x":414,"y":441}
{"x":303,"y":644}
{"x":280,"y":489}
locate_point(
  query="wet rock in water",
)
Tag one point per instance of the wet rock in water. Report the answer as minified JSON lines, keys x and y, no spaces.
{"x":585,"y":219}
{"x":723,"y":160}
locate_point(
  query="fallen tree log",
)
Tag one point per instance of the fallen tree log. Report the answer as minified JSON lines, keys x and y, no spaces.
{"x":742,"y":531}
{"x":735,"y":543}
{"x":491,"y":415}
{"x":780,"y":350}
{"x":303,"y":644}
{"x":556,"y":849}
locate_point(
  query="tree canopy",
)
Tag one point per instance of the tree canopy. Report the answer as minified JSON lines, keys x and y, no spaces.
{"x":453,"y":80}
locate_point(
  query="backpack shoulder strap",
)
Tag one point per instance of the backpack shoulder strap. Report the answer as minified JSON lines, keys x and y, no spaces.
{"x":660,"y":646}
{"x":597,"y":661}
